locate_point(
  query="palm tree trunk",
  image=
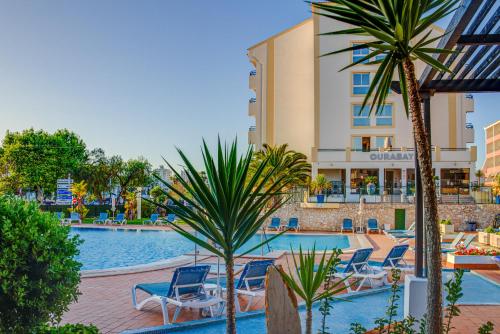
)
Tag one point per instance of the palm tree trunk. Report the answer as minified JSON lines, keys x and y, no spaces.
{"x":230,"y":306}
{"x":309,"y":318}
{"x":434,"y":318}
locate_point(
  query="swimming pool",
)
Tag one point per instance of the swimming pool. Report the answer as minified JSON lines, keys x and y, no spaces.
{"x":363,"y":308}
{"x":115,"y":248}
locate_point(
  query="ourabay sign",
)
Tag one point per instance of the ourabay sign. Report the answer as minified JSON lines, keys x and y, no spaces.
{"x":400,"y":156}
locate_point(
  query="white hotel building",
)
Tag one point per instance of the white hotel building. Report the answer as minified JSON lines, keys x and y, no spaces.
{"x":303,"y":100}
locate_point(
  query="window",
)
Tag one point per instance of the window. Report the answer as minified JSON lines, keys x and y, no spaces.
{"x":361,"y":144}
{"x":360,"y":117}
{"x":380,"y":56}
{"x":381,"y":141}
{"x":360,"y":83}
{"x":384,"y":117}
{"x":359,"y":54}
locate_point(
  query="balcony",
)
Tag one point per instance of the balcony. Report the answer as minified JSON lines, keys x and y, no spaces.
{"x":252,"y":107}
{"x":252,"y":135}
{"x":252,"y":80}
{"x":469,"y":133}
{"x":468,"y":102}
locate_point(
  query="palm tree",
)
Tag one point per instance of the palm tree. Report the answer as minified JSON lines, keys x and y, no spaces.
{"x":227,"y":207}
{"x":400,"y":31}
{"x":479,"y":174}
{"x":307,"y":278}
{"x":288,"y":163}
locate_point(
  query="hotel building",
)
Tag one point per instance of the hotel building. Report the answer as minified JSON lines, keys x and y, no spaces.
{"x":304,"y":100}
{"x":491,"y":166}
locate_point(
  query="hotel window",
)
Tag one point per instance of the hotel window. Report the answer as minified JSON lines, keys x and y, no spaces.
{"x":384,"y":117}
{"x":359,"y":54}
{"x":384,"y":142}
{"x":380,"y":56}
{"x":360,"y":83}
{"x":361,"y":144}
{"x":360,"y":117}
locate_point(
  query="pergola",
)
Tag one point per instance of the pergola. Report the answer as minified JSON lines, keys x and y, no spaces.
{"x":474,"y":32}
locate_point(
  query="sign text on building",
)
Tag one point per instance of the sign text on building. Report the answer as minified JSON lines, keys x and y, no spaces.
{"x":391,"y":156}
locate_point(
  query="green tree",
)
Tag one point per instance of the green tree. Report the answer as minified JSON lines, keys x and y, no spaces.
{"x":132,"y":174}
{"x":290,"y":166}
{"x":227,"y":208}
{"x":38,"y":274}
{"x":100,"y":173}
{"x":34,"y":160}
{"x":307,"y":279}
{"x":400,"y":30}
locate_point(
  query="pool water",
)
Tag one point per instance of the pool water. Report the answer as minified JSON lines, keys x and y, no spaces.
{"x":364,"y":309}
{"x":113,"y":248}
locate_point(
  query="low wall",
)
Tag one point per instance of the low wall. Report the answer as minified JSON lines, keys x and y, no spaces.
{"x":330,"y":219}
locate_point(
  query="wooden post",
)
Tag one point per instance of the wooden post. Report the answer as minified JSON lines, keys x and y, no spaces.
{"x":282,"y":315}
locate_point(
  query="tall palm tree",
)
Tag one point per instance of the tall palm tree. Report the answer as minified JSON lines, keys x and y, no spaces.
{"x":479,"y":174}
{"x":400,"y":31}
{"x":291,"y":165}
{"x":226,"y":207}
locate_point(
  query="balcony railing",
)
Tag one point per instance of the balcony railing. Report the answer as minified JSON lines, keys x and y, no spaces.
{"x":253,"y":73}
{"x":252,"y":100}
{"x":252,"y":128}
{"x":469,"y":126}
{"x":469,"y":96}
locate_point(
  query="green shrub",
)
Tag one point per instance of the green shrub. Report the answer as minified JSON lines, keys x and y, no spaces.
{"x":489,"y":229}
{"x":445,"y":221}
{"x":70,"y":329}
{"x":38,"y":275}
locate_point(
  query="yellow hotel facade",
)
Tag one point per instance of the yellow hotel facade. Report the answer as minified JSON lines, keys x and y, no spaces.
{"x":491,"y":166}
{"x":305,"y":101}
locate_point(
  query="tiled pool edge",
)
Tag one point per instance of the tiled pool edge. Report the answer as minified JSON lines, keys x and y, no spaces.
{"x":172,"y":328}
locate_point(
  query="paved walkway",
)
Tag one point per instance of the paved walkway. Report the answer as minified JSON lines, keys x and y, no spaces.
{"x":106,"y":301}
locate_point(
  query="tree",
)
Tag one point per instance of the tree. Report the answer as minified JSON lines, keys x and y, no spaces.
{"x":307,"y":278}
{"x":479,"y":174}
{"x":227,"y":209}
{"x":133,"y":173}
{"x":289,"y":165}
{"x":100,"y":173}
{"x":34,"y":160}
{"x":400,"y":32}
{"x":79,"y":191}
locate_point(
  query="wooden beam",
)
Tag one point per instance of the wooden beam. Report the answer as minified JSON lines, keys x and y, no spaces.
{"x":483,"y":39}
{"x":457,"y":86}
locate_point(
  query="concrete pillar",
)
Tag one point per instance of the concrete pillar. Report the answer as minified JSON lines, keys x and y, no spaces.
{"x":347,"y":182}
{"x":139,"y":206}
{"x":415,"y":297}
{"x":437,"y":172}
{"x":404,"y":180}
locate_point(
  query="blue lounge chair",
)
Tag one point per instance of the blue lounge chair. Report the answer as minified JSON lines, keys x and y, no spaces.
{"x":372,"y":225}
{"x":186,"y":290}
{"x":394,"y":259}
{"x":103,"y":218}
{"x":251,"y":282}
{"x":74,"y":217}
{"x":466,"y":243}
{"x":358,"y":268}
{"x":293,"y":224}
{"x":171,"y":217}
{"x":153,"y":219}
{"x":275,"y":224}
{"x":346,"y":225}
{"x":120,"y":219}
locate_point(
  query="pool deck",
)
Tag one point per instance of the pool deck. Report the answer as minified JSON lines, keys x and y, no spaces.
{"x":106,"y":301}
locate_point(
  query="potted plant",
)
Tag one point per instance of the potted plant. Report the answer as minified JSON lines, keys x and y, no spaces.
{"x":484,"y":236}
{"x":446,"y":226}
{"x":472,"y":258}
{"x":319,"y":185}
{"x":495,"y":239}
{"x":371,"y":184}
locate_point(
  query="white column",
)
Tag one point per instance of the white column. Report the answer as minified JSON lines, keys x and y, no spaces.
{"x":139,"y":198}
{"x":438,"y":183}
{"x":404,"y":181}
{"x":381,"y":180}
{"x":415,"y":297}
{"x":347,"y":182}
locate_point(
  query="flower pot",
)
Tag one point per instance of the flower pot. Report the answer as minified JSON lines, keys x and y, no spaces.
{"x":320,"y":198}
{"x":495,"y":240}
{"x":446,"y":229}
{"x":470,"y":261}
{"x":483,"y":237}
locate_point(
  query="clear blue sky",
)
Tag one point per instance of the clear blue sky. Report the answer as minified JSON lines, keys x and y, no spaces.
{"x":140,"y":77}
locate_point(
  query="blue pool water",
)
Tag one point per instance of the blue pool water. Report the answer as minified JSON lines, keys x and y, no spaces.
{"x":107,"y":248}
{"x":363,"y":309}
